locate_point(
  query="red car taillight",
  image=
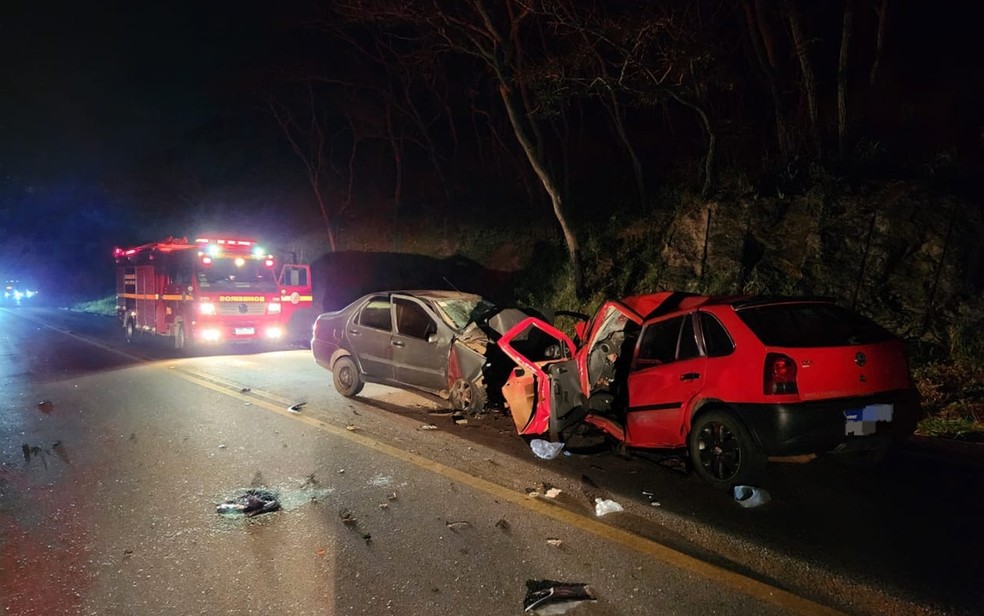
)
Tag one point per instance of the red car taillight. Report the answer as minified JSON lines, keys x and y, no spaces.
{"x":780,"y":374}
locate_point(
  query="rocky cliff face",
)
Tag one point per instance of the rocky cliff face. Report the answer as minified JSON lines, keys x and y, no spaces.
{"x":911,"y":259}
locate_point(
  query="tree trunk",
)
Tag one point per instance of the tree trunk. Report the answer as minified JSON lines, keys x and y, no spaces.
{"x":846,"y":32}
{"x":312,"y":157}
{"x":616,"y":112}
{"x":425,"y":132}
{"x":549,"y":184}
{"x":397,"y":165}
{"x":882,"y":11}
{"x":782,"y":133}
{"x":711,"y":140}
{"x":806,"y":69}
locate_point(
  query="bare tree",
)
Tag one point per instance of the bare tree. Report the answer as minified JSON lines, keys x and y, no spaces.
{"x":648,"y":58}
{"x":308,"y":143}
{"x":495,"y":39}
{"x":802,"y":48}
{"x":752,"y":22}
{"x":847,"y":31}
{"x":882,"y":11}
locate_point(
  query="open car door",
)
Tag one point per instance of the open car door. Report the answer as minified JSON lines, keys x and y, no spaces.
{"x":543,"y":392}
{"x":556,"y":385}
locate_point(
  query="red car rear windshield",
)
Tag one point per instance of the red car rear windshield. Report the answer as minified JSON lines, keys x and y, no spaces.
{"x":811,"y":325}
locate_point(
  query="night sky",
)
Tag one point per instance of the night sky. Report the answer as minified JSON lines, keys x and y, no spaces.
{"x":97,"y":99}
{"x":123,"y":119}
{"x":89,"y":86}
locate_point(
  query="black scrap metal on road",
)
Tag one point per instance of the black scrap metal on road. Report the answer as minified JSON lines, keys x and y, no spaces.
{"x":900,"y":539}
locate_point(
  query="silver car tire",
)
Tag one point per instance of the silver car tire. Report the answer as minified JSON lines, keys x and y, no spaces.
{"x":345,"y":375}
{"x":467,"y":396}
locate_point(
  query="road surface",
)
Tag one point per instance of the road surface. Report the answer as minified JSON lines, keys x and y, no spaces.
{"x":114,"y":457}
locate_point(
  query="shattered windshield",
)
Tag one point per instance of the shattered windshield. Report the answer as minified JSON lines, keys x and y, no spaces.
{"x":232,"y":273}
{"x":458,"y":313}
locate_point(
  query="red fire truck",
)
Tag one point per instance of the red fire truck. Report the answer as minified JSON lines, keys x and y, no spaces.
{"x":212,"y":290}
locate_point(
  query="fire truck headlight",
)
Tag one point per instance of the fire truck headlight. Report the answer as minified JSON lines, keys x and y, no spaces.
{"x":207,"y":308}
{"x":274,"y":333}
{"x":273,"y":308}
{"x":211,"y":335}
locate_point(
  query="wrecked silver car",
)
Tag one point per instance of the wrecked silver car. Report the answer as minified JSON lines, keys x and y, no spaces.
{"x":436,"y":342}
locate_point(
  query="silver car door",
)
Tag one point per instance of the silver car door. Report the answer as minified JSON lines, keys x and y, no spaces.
{"x":369,"y":334}
{"x":421,"y":346}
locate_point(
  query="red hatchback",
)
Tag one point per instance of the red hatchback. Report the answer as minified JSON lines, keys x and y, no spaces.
{"x":732,"y":379}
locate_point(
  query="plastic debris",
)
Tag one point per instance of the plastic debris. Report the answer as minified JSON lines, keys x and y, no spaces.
{"x":460,"y":422}
{"x":652,"y":498}
{"x":547,"y":597}
{"x":347,"y":518}
{"x":553,"y":492}
{"x":351,"y":428}
{"x":456,"y":526}
{"x":604,"y":506}
{"x":750,"y":496}
{"x":427,"y":427}
{"x":545,"y":449}
{"x":555,"y":542}
{"x":296,"y":408}
{"x":251,"y":503}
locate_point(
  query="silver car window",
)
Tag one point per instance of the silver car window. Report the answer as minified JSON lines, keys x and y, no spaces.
{"x":412,"y":320}
{"x":376,"y":314}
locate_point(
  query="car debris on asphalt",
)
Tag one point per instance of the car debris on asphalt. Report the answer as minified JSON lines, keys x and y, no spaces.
{"x":251,"y":503}
{"x":604,"y":506}
{"x":548,"y":597}
{"x":652,"y":498}
{"x":296,"y":408}
{"x":545,"y":449}
{"x":750,"y":497}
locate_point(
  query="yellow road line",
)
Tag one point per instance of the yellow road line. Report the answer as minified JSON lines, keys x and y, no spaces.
{"x":756,"y":589}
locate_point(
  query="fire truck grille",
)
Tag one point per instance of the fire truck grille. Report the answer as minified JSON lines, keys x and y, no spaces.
{"x":242,"y":308}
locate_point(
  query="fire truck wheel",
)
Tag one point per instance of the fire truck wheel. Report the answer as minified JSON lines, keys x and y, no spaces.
{"x":345,"y":375}
{"x":129,"y":330}
{"x":179,"y":337}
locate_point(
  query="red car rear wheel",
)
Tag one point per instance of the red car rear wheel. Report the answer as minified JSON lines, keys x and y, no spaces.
{"x":722,"y":450}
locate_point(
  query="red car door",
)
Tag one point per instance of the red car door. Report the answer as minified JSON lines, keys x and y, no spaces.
{"x":551,"y":380}
{"x":667,"y":371}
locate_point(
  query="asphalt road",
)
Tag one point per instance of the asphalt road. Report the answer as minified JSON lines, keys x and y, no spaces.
{"x":113,"y":458}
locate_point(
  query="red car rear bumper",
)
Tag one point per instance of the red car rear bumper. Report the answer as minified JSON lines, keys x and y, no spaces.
{"x":825,"y":425}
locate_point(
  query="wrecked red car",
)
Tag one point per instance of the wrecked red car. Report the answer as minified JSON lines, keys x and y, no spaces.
{"x":731,"y":379}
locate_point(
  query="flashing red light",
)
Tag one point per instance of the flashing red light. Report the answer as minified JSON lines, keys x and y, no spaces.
{"x":206,"y":260}
{"x":268,"y":263}
{"x":224,"y":242}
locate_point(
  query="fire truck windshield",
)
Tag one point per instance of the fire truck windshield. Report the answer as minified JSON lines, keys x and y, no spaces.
{"x":224,"y":273}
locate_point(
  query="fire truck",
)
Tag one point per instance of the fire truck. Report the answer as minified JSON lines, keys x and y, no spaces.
{"x":212,"y":290}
